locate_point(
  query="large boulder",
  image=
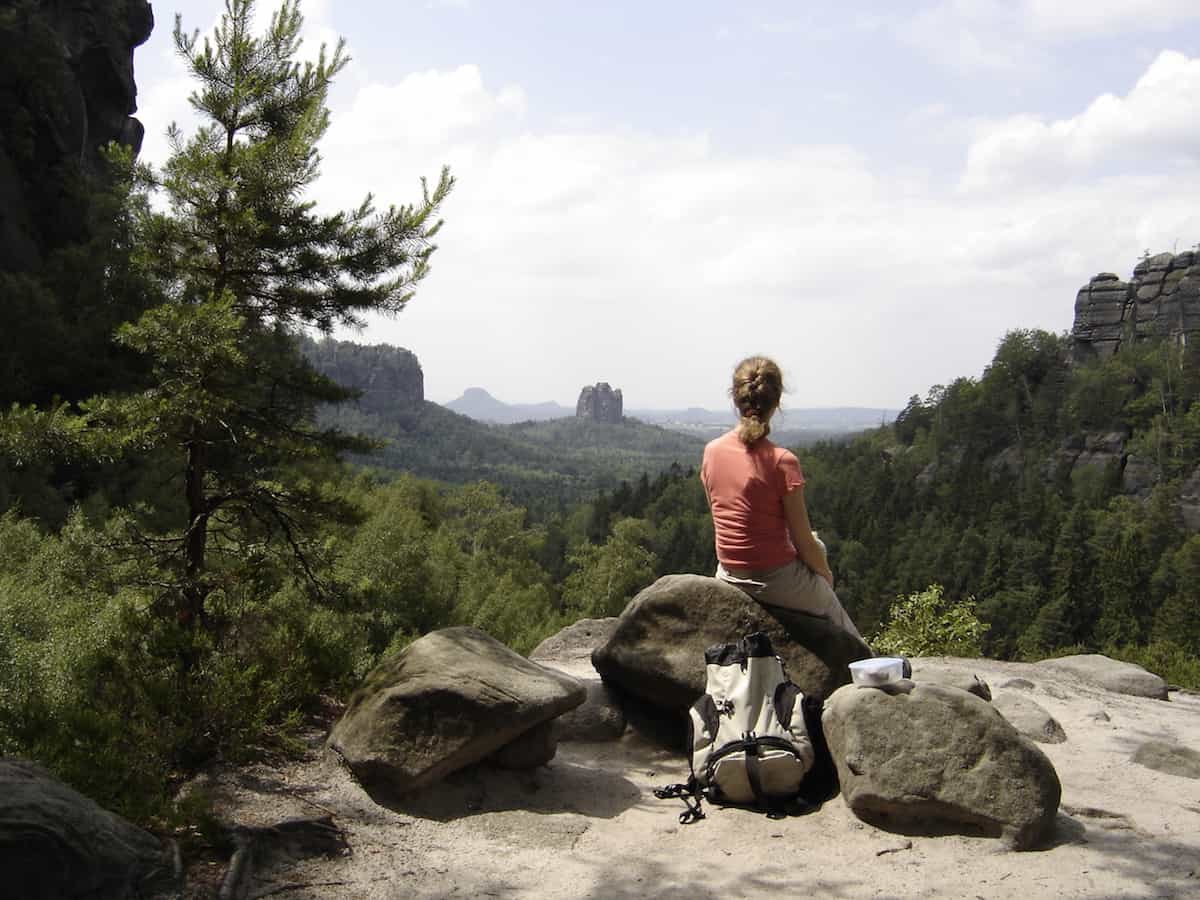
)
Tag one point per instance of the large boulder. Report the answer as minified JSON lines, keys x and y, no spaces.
{"x":1110,"y":674}
{"x":656,"y":652}
{"x":57,"y":844}
{"x":448,"y":699}
{"x":925,"y":757}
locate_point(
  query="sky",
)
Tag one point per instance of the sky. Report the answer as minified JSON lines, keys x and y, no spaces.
{"x":872,"y":192}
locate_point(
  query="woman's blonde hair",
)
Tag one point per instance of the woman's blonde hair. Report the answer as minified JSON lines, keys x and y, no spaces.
{"x":757,"y":389}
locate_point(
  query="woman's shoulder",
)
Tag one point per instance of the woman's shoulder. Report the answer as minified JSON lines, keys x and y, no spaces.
{"x":783,"y":456}
{"x":722,"y":440}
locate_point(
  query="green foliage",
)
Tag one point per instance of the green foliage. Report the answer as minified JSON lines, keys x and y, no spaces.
{"x":542,"y":465}
{"x":89,"y":681}
{"x":1007,"y":488}
{"x":928,"y":623}
{"x":198,"y":616}
{"x":607,"y":576}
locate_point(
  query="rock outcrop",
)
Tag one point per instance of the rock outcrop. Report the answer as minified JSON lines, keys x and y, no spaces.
{"x":1110,"y":674}
{"x":600,"y":403}
{"x":601,"y":716}
{"x":1029,"y":718}
{"x":56,"y":844}
{"x":1171,"y":757}
{"x":656,"y":652}
{"x":66,"y":90}
{"x":449,"y":699}
{"x":924,"y":757}
{"x":1161,"y":300}
{"x":388,"y":379}
{"x":930,"y":670}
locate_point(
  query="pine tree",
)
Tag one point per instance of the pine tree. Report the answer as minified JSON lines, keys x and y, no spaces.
{"x":242,"y":262}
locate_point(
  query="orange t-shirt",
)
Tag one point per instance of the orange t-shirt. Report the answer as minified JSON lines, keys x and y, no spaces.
{"x":745,"y":486}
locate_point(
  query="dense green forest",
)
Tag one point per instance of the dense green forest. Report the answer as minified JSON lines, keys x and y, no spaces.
{"x":189,"y":564}
{"x":543,"y":465}
{"x":987,"y":487}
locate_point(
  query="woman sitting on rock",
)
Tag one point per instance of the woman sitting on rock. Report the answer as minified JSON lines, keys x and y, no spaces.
{"x":765,"y":544}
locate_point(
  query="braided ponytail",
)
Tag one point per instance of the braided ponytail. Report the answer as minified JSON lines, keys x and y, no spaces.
{"x":757,"y":389}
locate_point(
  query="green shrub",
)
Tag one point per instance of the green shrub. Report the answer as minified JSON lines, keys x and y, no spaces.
{"x":91,"y":681}
{"x":928,"y":623}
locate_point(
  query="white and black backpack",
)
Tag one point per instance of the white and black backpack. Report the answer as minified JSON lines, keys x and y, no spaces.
{"x":748,"y":743}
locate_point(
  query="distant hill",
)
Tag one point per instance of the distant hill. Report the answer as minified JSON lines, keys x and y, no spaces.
{"x":483,"y":407}
{"x":564,"y":459}
{"x":790,"y":428}
{"x":560,"y":459}
{"x":539,"y":451}
{"x":794,"y":427}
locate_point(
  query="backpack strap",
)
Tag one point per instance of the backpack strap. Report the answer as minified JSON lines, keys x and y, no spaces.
{"x":690,"y":794}
{"x":753,"y":773}
{"x":775,"y":807}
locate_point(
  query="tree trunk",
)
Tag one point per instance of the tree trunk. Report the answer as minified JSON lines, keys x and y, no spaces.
{"x":195,"y":538}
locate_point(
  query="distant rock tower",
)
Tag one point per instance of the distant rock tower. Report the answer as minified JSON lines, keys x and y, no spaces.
{"x":1161,"y":300}
{"x":600,"y":403}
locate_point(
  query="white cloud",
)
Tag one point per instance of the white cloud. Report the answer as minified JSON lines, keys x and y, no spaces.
{"x":1154,"y":125}
{"x":1079,"y":18}
{"x":1013,"y":37}
{"x":971,"y":35}
{"x":571,"y":256}
{"x":580,"y":249}
{"x":425,"y":107}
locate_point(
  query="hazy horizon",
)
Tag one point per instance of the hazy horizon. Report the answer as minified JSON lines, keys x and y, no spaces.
{"x":633,"y":406}
{"x":872,"y":195}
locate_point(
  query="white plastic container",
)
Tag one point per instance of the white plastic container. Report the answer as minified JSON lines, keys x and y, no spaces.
{"x":881,"y":670}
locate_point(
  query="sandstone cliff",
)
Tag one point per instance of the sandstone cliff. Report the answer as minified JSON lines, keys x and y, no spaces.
{"x":66,"y":90}
{"x":389,"y":379}
{"x":1162,"y":299}
{"x":600,"y":403}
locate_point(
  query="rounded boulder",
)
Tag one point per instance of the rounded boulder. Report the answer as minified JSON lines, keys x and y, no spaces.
{"x":656,"y":651}
{"x":447,"y":700}
{"x":926,"y":757}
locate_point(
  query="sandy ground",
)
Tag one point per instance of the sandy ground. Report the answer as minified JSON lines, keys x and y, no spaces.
{"x":588,"y":826}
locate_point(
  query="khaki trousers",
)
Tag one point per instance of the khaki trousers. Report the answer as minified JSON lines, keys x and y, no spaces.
{"x":792,"y":586}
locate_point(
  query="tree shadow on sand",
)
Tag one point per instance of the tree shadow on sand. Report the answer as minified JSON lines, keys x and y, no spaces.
{"x":560,"y":787}
{"x":1170,"y":865}
{"x":646,"y":876}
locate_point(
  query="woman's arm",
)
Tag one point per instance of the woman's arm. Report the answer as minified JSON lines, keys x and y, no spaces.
{"x":807,"y":548}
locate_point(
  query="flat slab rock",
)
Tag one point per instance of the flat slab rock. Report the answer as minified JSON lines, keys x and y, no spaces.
{"x":656,"y":651}
{"x":447,"y":700}
{"x":601,"y":717}
{"x":1110,"y":674}
{"x":1029,"y":718}
{"x":575,"y":642}
{"x":56,"y":844}
{"x":925,"y":757}
{"x":1169,"y":757}
{"x":935,"y":671}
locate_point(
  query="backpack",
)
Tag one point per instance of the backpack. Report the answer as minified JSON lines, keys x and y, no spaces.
{"x":748,"y":743}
